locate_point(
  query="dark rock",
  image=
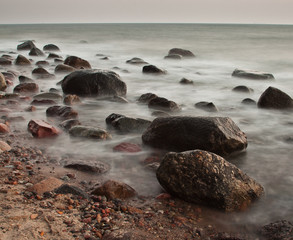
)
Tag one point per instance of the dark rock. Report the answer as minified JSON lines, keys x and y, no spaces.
{"x":127,"y":147}
{"x":104,"y":58}
{"x":89,"y":132}
{"x":26,"y":87}
{"x":280,"y":230}
{"x":248,"y":101}
{"x":43,"y":102}
{"x":42,"y":63}
{"x":51,"y":47}
{"x":173,"y":57}
{"x":252,"y":75}
{"x":126,"y":124}
{"x":69,"y":123}
{"x":94,"y":83}
{"x":63,"y":112}
{"x":77,"y":62}
{"x":163,"y":104}
{"x":4,"y":61}
{"x":68,"y":189}
{"x":93,"y":167}
{"x":48,"y":95}
{"x":160,"y":114}
{"x":115,"y":98}
{"x":27,"y":45}
{"x":182,"y":52}
{"x":62,"y":68}
{"x":71,"y":99}
{"x":22,"y":60}
{"x":151,"y":69}
{"x":206,"y":178}
{"x":185,"y":81}
{"x":146,"y":98}
{"x":274,"y":98}
{"x":215,"y":134}
{"x":42,"y":129}
{"x":242,"y":88}
{"x":136,"y":61}
{"x":54,"y":55}
{"x":36,"y":52}
{"x":3,"y":84}
{"x":24,"y":79}
{"x":113,"y":189}
{"x":207,"y":106}
{"x":40,"y":70}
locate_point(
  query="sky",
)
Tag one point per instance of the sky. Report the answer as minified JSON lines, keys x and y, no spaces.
{"x":149,"y":11}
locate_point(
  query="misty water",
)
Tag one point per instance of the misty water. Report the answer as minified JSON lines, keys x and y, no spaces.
{"x":219,"y":49}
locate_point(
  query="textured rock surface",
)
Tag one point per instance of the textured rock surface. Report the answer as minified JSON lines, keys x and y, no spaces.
{"x":163,"y":104}
{"x":252,"y":74}
{"x":151,"y":69}
{"x":89,"y":132}
{"x":280,"y":230}
{"x":182,"y":52}
{"x":77,"y":62}
{"x":206,"y":178}
{"x":46,"y":185}
{"x":41,"y":129}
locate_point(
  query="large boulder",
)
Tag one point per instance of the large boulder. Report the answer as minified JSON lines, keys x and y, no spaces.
{"x":180,"y":51}
{"x":27,"y":45}
{"x":219,"y":135}
{"x":77,"y":62}
{"x":3,"y":84}
{"x":240,"y":73}
{"x":94,"y":83}
{"x":89,"y":132}
{"x":275,"y":98}
{"x":206,"y":178}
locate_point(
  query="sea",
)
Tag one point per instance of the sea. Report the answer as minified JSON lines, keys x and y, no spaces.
{"x":219,"y":50}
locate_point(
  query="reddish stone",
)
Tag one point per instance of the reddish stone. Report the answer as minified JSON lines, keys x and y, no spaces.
{"x":127,"y":147}
{"x":4,"y":128}
{"x":151,"y":159}
{"x":42,"y":129}
{"x":46,"y":185}
{"x":163,"y":196}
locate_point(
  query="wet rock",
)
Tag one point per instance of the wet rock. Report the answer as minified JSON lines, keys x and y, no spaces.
{"x":42,"y":129}
{"x":40,"y":102}
{"x":71,"y":99}
{"x":89,"y":132}
{"x":173,"y":57}
{"x":252,"y":74}
{"x":146,"y":98}
{"x":113,"y":189}
{"x":26,"y":88}
{"x":42,"y":73}
{"x":127,"y":147}
{"x":185,"y":81}
{"x":127,"y":124}
{"x":69,"y":189}
{"x":280,"y":230}
{"x":215,"y":134}
{"x":48,"y":95}
{"x":160,"y":114}
{"x":136,"y":61}
{"x":4,"y":146}
{"x":51,"y":47}
{"x":206,"y":178}
{"x":54,"y":55}
{"x":151,"y":69}
{"x":47,"y":185}
{"x":242,"y":88}
{"x":5,"y":61}
{"x":9,"y":96}
{"x":275,"y":98}
{"x":63,"y":112}
{"x":163,"y":104}
{"x":9,"y":75}
{"x":4,"y":128}
{"x":117,"y":99}
{"x":93,"y":167}
{"x":69,"y":123}
{"x":42,"y":63}
{"x":24,"y":79}
{"x":94,"y":83}
{"x":182,"y":52}
{"x":3,"y":84}
{"x":36,"y":52}
{"x":62,"y":68}
{"x":207,"y":106}
{"x":77,"y":62}
{"x":27,"y":45}
{"x":248,"y":101}
{"x":22,"y":60}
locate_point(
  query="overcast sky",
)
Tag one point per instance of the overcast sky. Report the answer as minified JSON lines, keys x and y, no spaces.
{"x":103,"y":11}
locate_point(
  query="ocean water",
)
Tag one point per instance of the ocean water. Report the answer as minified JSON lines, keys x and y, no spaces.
{"x":219,"y":49}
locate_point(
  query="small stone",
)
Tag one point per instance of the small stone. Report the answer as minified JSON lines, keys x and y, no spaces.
{"x":34,"y":216}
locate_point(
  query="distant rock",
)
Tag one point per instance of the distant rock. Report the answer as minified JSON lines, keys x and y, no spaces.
{"x":89,"y":132}
{"x":113,"y":189}
{"x":22,"y":60}
{"x":173,"y":57}
{"x":77,"y":62}
{"x":42,"y":129}
{"x":29,"y":87}
{"x":63,"y":68}
{"x":242,"y":88}
{"x":206,"y":106}
{"x":151,"y":69}
{"x":182,"y":52}
{"x":94,"y":84}
{"x":27,"y":45}
{"x":93,"y":167}
{"x":136,"y":61}
{"x":219,"y":135}
{"x":186,"y":81}
{"x":63,"y":112}
{"x":36,"y":52}
{"x":248,"y":101}
{"x":146,"y":98}
{"x":163,"y":104}
{"x":252,"y":74}
{"x":5,"y":61}
{"x":206,"y":178}
{"x":54,"y":55}
{"x":275,"y":99}
{"x":3,"y":84}
{"x":69,"y":123}
{"x":42,"y":63}
{"x":51,"y":48}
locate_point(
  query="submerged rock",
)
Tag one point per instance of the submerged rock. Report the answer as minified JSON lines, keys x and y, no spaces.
{"x":136,"y":61}
{"x":36,"y":52}
{"x":185,"y":81}
{"x":69,"y":123}
{"x":275,"y":98}
{"x":63,"y":112}
{"x":182,"y":52}
{"x":219,"y":135}
{"x":207,"y":106}
{"x":48,"y":95}
{"x":252,"y":74}
{"x":89,"y":132}
{"x":24,"y":79}
{"x":127,"y":147}
{"x":151,"y":69}
{"x":248,"y":101}
{"x":63,"y":68}
{"x":5,"y":61}
{"x":93,"y":167}
{"x":42,"y":129}
{"x":173,"y":57}
{"x":71,"y":99}
{"x":77,"y":62}
{"x":94,"y":84}
{"x":242,"y":88}
{"x":146,"y":98}
{"x":206,"y":178}
{"x":51,"y":47}
{"x":163,"y":104}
